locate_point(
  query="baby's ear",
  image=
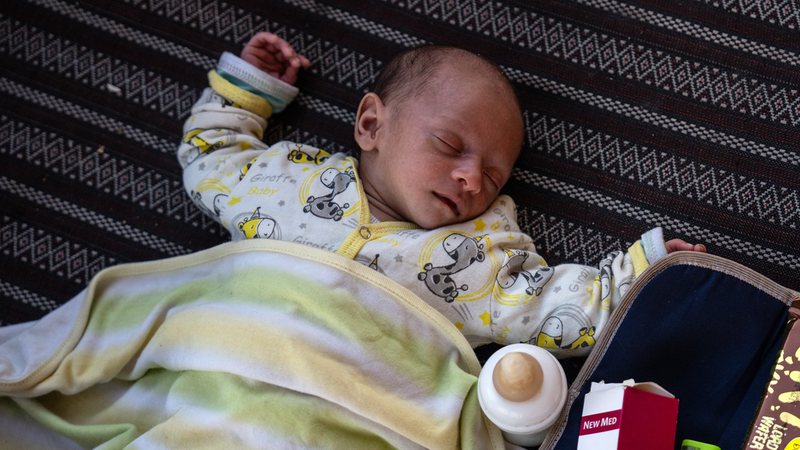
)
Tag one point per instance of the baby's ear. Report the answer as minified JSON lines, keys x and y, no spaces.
{"x":369,"y":119}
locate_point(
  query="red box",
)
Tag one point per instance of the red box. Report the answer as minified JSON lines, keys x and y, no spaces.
{"x":628,"y":416}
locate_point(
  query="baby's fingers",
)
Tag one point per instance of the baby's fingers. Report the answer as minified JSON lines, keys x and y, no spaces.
{"x":290,"y":56}
{"x":266,"y":45}
{"x":275,"y":56}
{"x":292,"y":69}
{"x":674,"y":245}
{"x":263,"y":39}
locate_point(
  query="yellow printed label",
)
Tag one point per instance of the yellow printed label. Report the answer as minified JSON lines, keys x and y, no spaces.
{"x":794,"y":444}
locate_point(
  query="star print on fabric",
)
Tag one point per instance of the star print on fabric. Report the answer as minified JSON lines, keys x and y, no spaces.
{"x":302,"y":226}
{"x":479,"y":225}
{"x":459,"y":325}
{"x":557,"y":289}
{"x":486,"y":318}
{"x":526,"y":319}
{"x":202,"y":165}
{"x":263,"y":165}
{"x":398,"y":258}
{"x":281,"y":203}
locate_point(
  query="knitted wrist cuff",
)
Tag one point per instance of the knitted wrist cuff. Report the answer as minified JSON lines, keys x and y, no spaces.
{"x":238,"y":96}
{"x":277,"y":92}
{"x":653,"y":244}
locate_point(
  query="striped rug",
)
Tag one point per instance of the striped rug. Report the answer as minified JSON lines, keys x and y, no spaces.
{"x":638,"y":113}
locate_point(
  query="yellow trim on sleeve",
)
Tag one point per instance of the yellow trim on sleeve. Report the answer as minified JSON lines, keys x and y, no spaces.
{"x":240,"y":97}
{"x":638,"y":257}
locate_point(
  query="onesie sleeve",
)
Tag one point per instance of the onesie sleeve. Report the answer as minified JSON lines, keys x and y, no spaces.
{"x":564,"y":308}
{"x":222,"y":136}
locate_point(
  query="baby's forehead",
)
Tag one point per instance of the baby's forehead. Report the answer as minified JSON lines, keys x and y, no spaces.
{"x":458,"y":75}
{"x":468,"y":66}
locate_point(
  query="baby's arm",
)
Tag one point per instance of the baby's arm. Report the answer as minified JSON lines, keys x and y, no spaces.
{"x":223,"y":134}
{"x":564,"y":308}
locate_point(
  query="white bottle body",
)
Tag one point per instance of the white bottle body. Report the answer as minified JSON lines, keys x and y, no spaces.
{"x":524,"y":423}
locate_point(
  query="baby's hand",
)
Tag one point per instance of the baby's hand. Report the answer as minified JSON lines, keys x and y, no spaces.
{"x":274,"y":56}
{"x":674,"y":245}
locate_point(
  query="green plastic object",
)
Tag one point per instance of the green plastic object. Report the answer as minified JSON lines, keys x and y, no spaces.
{"x":689,"y":444}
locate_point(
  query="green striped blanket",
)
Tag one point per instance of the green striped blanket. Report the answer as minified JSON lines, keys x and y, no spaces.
{"x":256,"y":344}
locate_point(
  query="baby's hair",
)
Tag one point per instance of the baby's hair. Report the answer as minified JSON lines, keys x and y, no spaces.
{"x":412,"y":71}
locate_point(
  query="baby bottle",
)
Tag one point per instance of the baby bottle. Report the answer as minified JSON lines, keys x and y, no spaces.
{"x":522,"y":389}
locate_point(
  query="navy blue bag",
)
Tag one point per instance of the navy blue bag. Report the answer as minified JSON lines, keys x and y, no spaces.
{"x":706,"y":329}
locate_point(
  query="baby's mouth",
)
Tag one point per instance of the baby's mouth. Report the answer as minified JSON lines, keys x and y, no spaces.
{"x":451,"y":204}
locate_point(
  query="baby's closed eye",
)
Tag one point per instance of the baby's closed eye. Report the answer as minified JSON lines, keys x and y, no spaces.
{"x":450,"y":144}
{"x":492,"y":179}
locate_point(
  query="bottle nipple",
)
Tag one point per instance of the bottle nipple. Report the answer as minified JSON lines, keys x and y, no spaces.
{"x":517,"y":376}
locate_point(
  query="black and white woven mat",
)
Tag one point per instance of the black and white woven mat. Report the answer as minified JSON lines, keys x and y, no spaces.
{"x":638,"y":113}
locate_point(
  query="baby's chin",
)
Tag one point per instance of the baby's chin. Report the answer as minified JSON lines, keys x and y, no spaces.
{"x":433,"y":222}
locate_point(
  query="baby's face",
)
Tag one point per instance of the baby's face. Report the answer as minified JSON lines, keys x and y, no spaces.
{"x":442,"y":157}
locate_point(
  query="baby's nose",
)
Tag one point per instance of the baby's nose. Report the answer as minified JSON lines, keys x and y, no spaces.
{"x":470,"y":174}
